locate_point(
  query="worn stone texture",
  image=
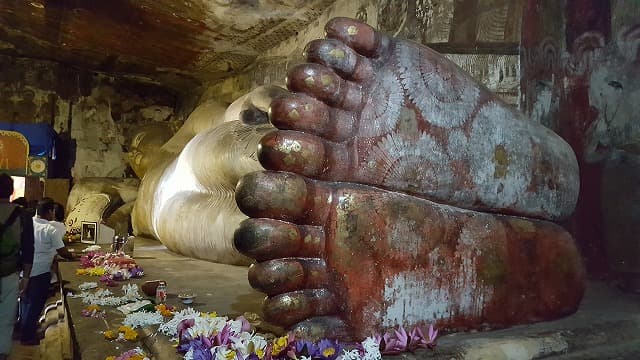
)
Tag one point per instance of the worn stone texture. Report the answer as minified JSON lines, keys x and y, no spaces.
{"x":174,"y":42}
{"x":496,"y":32}
{"x":581,"y":79}
{"x":96,"y":114}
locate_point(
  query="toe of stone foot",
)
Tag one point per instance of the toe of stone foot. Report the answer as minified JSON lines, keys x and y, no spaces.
{"x":321,"y":327}
{"x":294,"y":307}
{"x":280,"y":276}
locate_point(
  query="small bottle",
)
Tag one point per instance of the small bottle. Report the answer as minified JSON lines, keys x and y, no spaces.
{"x":161,"y":292}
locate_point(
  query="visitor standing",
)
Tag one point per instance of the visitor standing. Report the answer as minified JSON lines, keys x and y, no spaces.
{"x":16,"y":253}
{"x":58,"y":223}
{"x":48,"y":243}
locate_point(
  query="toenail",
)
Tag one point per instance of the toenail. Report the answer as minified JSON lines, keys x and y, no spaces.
{"x":337,"y":53}
{"x":294,"y":114}
{"x":287,"y":146}
{"x":326,"y":80}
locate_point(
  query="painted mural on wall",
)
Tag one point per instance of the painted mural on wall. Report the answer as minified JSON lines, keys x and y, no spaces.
{"x":96,"y":113}
{"x":581,"y":78}
{"x":14,"y":152}
{"x":612,"y":141}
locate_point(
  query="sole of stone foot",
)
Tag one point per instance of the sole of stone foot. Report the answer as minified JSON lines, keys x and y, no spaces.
{"x":340,"y":258}
{"x":392,"y":113}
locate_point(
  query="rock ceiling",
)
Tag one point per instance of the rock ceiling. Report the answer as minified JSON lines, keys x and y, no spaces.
{"x":165,"y":40}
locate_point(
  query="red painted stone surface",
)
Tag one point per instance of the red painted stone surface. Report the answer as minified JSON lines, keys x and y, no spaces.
{"x":390,"y":259}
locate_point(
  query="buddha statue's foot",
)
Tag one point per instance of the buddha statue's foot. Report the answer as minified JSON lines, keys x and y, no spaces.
{"x":343,"y":259}
{"x":390,"y":113}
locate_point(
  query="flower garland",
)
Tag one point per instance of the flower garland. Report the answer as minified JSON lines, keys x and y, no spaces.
{"x":143,"y":318}
{"x":104,"y":297}
{"x":88,"y":285}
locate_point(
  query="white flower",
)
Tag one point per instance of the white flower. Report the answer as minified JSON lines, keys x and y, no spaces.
{"x":202,"y":326}
{"x":221,"y":352}
{"x":103,"y":297}
{"x":189,"y":354}
{"x":170,"y":328}
{"x":92,"y":248}
{"x":88,"y":285}
{"x":236,"y":326}
{"x":371,"y":349}
{"x":246,"y":343}
{"x":142,"y":319}
{"x":350,"y":355}
{"x":305,"y":357}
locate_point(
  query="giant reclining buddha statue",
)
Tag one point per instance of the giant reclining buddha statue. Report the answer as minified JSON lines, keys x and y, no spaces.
{"x":186,"y":197}
{"x":397,"y":191}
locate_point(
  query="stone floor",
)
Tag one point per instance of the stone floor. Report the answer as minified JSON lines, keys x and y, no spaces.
{"x":607,"y":325}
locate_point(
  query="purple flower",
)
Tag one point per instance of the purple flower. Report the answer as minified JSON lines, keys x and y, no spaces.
{"x":223,"y":337}
{"x":200,"y":349}
{"x":253,"y":356}
{"x":118,"y":276}
{"x":416,"y":339}
{"x":307,"y":348}
{"x":136,"y":272}
{"x":107,"y":280}
{"x":183,"y":326}
{"x":433,"y":334}
{"x":329,"y":349}
{"x":395,"y":343}
{"x":245,"y":323}
{"x":267,"y":352}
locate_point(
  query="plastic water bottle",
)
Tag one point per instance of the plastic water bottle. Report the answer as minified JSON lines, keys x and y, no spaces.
{"x":161,"y":293}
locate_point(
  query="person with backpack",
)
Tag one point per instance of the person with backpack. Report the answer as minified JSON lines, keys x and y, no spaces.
{"x":16,"y":254}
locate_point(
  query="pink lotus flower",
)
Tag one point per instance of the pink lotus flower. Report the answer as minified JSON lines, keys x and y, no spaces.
{"x":183,"y":326}
{"x":245,"y":323}
{"x":433,"y":333}
{"x":396,"y":342}
{"x":223,"y":337}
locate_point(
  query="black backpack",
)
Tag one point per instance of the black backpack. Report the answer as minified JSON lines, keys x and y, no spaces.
{"x":9,"y":245}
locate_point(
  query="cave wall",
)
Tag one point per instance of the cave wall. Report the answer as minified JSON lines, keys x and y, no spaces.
{"x":93,"y":113}
{"x":581,"y":78}
{"x":481,"y":36}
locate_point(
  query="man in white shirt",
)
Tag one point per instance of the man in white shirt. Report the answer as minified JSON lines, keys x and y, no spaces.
{"x":58,"y":223}
{"x":47,"y":243}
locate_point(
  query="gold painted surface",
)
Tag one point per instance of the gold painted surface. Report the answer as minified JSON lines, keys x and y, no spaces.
{"x":14,"y":152}
{"x":326,"y":80}
{"x":309,"y":81}
{"x":501,"y":161}
{"x":294,"y":114}
{"x":337,"y":53}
